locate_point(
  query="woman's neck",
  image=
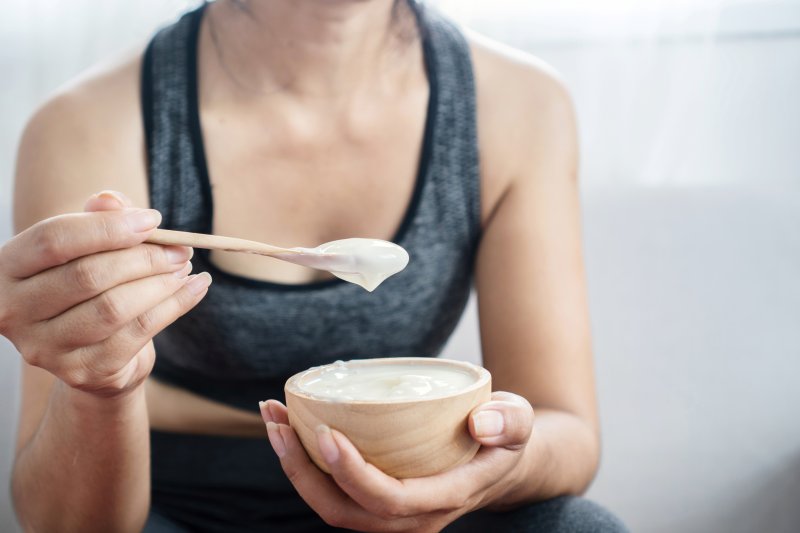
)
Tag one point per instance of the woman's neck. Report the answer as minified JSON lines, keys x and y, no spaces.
{"x":308,"y":47}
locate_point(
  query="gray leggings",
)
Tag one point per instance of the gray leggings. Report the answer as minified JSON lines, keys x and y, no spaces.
{"x":566,"y":514}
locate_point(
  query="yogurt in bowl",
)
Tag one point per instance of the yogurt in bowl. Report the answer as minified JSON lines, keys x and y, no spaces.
{"x":407,"y":416}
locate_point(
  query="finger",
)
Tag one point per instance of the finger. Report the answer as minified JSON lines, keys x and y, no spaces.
{"x":380,"y":494}
{"x":107,"y":201}
{"x":319,"y":490}
{"x":61,"y":239}
{"x":151,"y":322}
{"x":97,"y":319}
{"x":55,"y":290}
{"x":274,"y":411}
{"x":377,"y":492}
{"x":506,"y":420}
{"x":389,"y":497}
{"x":110,"y":357}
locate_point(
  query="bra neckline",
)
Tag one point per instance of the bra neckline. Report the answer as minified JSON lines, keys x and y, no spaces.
{"x":201,"y":164}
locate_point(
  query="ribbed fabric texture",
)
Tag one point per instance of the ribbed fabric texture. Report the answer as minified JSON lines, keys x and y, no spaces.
{"x":247,"y":337}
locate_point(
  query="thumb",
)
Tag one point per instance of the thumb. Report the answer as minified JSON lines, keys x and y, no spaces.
{"x":506,"y":420}
{"x":107,"y":201}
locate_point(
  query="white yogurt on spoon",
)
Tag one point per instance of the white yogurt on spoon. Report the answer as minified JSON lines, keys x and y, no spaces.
{"x":365,"y":262}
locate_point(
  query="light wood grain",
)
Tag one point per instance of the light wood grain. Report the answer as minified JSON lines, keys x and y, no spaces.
{"x":404,"y":439}
{"x":216,"y":242}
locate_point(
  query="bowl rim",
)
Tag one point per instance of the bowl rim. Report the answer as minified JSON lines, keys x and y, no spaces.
{"x":482,"y":377}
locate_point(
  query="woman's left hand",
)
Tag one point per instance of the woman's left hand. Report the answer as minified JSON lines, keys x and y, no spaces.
{"x":359,"y":496}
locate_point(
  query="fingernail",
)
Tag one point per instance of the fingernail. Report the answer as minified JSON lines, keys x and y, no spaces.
{"x":183,"y":272}
{"x":488,"y":423}
{"x":265,"y":414}
{"x":177,"y":254}
{"x":327,"y":446}
{"x":117,"y":196}
{"x":275,"y":438}
{"x":143,"y":219}
{"x":198,"y":283}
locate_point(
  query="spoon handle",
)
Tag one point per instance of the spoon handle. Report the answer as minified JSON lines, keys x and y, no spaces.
{"x":215,"y":242}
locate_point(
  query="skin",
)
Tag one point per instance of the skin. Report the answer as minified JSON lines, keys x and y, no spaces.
{"x":326,"y":101}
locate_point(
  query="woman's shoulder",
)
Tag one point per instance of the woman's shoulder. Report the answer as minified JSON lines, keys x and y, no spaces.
{"x":525,"y":113}
{"x":99,"y":103}
{"x":509,"y":76}
{"x":86,"y":136}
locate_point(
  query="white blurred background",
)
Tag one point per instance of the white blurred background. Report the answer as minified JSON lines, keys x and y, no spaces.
{"x":690,"y":127}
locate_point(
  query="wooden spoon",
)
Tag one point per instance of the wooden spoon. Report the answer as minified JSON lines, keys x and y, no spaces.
{"x":218,"y":242}
{"x":365,"y":262}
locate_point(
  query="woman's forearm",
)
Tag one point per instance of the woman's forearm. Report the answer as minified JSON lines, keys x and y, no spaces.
{"x":561,"y":457}
{"x":87,"y":467}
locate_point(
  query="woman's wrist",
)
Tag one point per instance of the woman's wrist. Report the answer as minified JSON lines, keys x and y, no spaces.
{"x":86,"y":466}
{"x":557,"y":459}
{"x":92,"y":405}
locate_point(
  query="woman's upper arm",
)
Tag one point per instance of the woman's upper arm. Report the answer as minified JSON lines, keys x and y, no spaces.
{"x":85,"y":139}
{"x":529,"y":275}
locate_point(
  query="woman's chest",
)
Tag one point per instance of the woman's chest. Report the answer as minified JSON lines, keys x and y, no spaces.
{"x":307,"y":179}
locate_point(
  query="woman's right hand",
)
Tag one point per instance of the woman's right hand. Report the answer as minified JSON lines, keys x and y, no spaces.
{"x":82,"y":295}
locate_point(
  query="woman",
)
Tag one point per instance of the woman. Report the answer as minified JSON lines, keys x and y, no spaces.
{"x":295,"y":122}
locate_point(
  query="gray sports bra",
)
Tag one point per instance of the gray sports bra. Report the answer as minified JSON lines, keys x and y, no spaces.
{"x":247,"y":337}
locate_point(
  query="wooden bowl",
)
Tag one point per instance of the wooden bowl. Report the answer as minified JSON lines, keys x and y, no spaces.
{"x":402,"y":437}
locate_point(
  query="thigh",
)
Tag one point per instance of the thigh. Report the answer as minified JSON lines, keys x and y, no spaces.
{"x":158,"y":523}
{"x":566,"y":514}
